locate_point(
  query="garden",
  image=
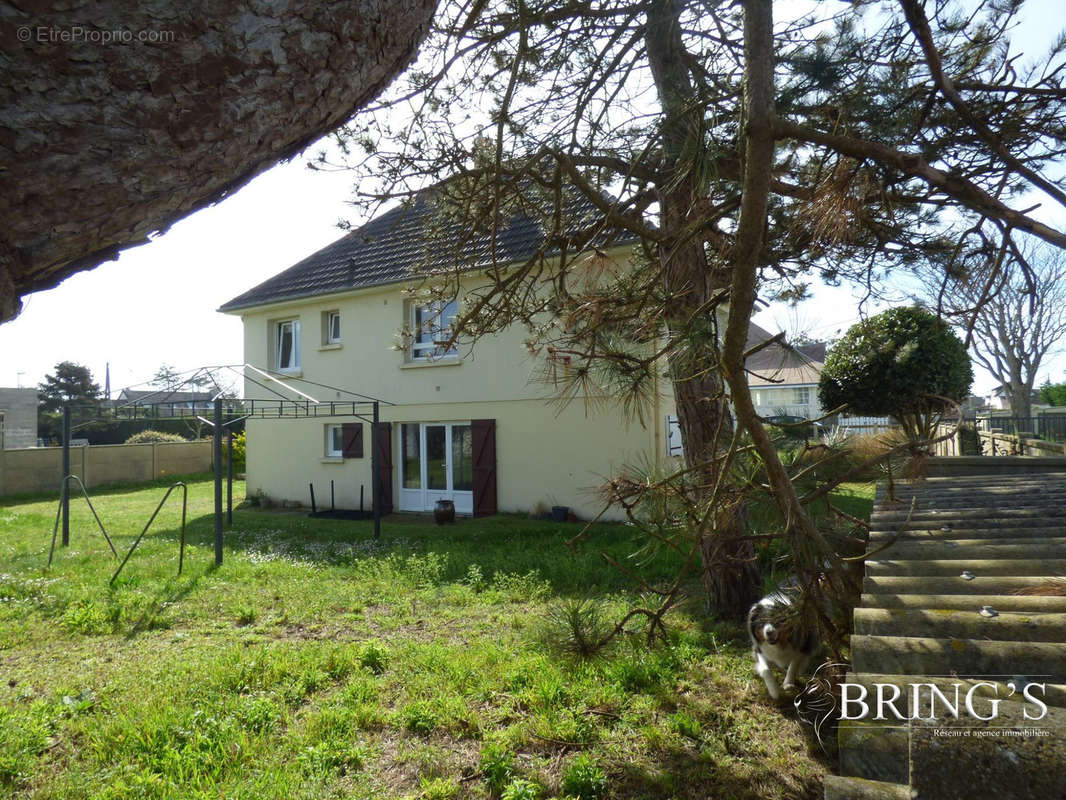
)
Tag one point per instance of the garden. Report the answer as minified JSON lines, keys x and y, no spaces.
{"x":316,"y":662}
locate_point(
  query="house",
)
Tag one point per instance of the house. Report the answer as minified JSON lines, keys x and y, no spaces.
{"x":784,"y":379}
{"x":471,"y":424}
{"x":18,"y":418}
{"x":999,"y":399}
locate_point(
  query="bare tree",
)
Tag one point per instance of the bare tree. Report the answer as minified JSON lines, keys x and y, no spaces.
{"x":1013,"y":318}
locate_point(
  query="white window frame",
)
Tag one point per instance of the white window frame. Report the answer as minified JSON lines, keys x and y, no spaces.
{"x":279,"y":331}
{"x":332,"y":431}
{"x":331,"y":318}
{"x":801,"y":395}
{"x":425,"y":337}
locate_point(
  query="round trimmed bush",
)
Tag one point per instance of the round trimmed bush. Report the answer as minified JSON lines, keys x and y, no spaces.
{"x":891,"y":363}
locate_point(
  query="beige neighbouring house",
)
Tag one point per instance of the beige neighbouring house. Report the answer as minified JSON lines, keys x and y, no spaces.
{"x":475,"y":425}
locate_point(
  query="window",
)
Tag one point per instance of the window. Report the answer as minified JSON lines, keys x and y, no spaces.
{"x":431,"y":327}
{"x":333,"y":328}
{"x":334,"y":441}
{"x":801,"y":395}
{"x":288,"y":345}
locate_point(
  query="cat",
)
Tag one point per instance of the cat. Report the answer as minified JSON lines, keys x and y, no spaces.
{"x":780,"y":638}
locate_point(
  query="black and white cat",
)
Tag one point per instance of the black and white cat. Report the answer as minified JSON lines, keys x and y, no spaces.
{"x":780,"y":638}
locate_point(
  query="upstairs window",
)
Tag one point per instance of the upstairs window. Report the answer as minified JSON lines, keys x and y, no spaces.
{"x":288,"y":346}
{"x":801,"y":395}
{"x":431,"y":328}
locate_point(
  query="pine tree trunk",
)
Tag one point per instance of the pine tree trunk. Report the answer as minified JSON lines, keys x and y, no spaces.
{"x":730,"y":572}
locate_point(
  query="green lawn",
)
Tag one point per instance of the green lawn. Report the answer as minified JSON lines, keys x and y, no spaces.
{"x":316,"y":663}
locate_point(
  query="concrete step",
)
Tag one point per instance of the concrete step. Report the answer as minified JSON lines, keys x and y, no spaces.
{"x":838,"y":787}
{"x":947,"y":584}
{"x":1028,"y":547}
{"x":971,"y":518}
{"x":1007,"y":626}
{"x":961,"y":482}
{"x":954,"y":531}
{"x":1043,"y":662}
{"x":1048,"y":567}
{"x":952,"y":490}
{"x":966,"y":602}
{"x":1054,"y":694}
{"x":875,"y":751}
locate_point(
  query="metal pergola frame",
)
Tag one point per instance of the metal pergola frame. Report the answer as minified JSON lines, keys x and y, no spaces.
{"x":227,"y":411}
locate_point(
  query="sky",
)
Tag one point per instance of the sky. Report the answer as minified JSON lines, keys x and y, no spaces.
{"x":157,"y":303}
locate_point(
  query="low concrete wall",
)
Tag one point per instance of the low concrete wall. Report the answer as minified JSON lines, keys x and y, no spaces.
{"x":994,"y":443}
{"x":40,"y":469}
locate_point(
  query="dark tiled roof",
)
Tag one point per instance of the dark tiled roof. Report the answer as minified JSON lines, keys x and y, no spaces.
{"x":402,"y":244}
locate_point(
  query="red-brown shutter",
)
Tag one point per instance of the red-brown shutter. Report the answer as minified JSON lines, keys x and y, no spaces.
{"x":352,"y":439}
{"x":483,"y":444}
{"x":383,"y":453}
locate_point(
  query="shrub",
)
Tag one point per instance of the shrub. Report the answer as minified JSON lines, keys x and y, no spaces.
{"x":239,"y":452}
{"x":150,"y":436}
{"x":891,"y":364}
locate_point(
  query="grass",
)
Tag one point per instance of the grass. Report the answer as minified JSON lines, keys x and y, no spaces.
{"x":317,"y":663}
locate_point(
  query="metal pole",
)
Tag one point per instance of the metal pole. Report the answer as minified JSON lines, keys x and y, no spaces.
{"x":64,"y":497}
{"x":218,"y":481}
{"x":375,"y":472}
{"x":229,"y":477}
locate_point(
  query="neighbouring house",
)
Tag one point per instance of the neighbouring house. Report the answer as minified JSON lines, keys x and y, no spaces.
{"x":474,"y":424}
{"x":999,"y":399}
{"x":18,"y":418}
{"x":784,"y":379}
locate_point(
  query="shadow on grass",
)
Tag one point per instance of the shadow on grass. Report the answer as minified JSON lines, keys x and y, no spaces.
{"x":168,"y":595}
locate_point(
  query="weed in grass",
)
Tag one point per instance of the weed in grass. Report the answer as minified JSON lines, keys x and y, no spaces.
{"x":438,"y":788}
{"x":497,"y":765}
{"x":420,"y":718}
{"x":686,"y":725}
{"x":258,"y":712}
{"x":583,"y":778}
{"x":244,"y":615}
{"x":475,"y":578}
{"x":514,"y":588}
{"x":374,"y":656}
{"x":24,"y":735}
{"x":521,"y":789}
{"x":332,"y":755}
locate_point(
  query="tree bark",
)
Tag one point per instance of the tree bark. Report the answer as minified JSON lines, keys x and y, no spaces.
{"x":118,"y":119}
{"x":731,"y":574}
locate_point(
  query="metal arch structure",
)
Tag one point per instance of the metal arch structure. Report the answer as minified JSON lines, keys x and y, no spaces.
{"x":226,"y":410}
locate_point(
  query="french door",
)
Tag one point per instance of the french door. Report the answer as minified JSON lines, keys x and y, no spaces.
{"x":436,"y":461}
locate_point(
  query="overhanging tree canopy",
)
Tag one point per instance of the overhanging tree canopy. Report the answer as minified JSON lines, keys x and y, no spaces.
{"x":117,"y":120}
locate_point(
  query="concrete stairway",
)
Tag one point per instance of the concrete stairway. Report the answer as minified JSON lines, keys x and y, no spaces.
{"x":968,"y":544}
